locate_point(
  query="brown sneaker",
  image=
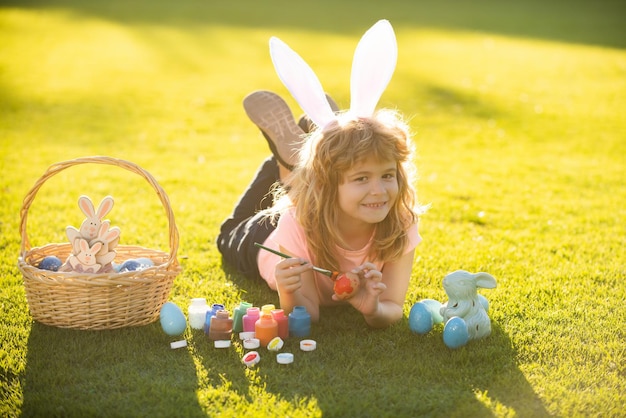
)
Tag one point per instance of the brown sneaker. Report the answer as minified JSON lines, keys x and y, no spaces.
{"x":307,"y":124}
{"x":271,"y":114}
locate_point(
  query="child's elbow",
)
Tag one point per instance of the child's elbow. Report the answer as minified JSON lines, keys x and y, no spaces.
{"x":388,"y":318}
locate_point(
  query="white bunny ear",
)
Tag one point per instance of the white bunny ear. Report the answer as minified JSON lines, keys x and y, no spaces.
{"x":373,"y":65}
{"x":104,"y":227}
{"x":105,"y":207}
{"x":301,"y":82}
{"x":84,"y":203}
{"x":485,"y":280}
{"x":112,"y":234}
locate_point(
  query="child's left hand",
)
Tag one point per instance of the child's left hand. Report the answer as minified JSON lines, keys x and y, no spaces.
{"x":365,"y":300}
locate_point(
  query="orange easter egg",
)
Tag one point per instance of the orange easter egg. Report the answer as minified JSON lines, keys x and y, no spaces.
{"x":346,"y":285}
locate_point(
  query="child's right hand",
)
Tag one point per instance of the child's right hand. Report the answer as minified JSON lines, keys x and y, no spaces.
{"x":288,"y":271}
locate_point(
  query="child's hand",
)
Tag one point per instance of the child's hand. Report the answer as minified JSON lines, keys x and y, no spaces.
{"x":366,"y":298}
{"x":288,"y":273}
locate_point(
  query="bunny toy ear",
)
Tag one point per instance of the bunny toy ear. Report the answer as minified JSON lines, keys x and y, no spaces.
{"x":373,"y":65}
{"x":301,"y":82}
{"x":105,"y":207}
{"x":84,"y":203}
{"x":485,"y":280}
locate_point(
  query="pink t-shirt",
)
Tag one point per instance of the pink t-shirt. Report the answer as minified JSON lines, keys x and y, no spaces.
{"x":290,"y":235}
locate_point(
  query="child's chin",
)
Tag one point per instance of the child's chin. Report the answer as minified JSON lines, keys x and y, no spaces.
{"x":374,"y":219}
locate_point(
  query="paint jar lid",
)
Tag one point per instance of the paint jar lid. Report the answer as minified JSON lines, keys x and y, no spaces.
{"x":246,"y":335}
{"x":251,"y":343}
{"x":275,"y":344}
{"x":221,"y":343}
{"x":178,"y":344}
{"x":308,"y":345}
{"x":284,"y":358}
{"x":251,"y":358}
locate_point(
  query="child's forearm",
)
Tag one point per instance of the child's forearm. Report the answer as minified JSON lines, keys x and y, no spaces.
{"x":387,"y":313}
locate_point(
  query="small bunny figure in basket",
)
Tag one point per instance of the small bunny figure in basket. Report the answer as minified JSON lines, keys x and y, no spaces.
{"x":84,"y":259}
{"x":93,"y":230}
{"x":109,"y":238}
{"x":464,"y":302}
{"x":91,"y":225}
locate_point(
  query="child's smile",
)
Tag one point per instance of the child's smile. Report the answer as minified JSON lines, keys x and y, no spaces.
{"x":368,"y":191}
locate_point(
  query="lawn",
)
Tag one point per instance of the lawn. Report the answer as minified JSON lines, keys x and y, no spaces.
{"x":518,"y":112}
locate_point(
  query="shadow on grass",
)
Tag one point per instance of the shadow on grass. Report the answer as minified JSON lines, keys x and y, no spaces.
{"x":355,"y":371}
{"x":361,"y":372}
{"x":126,"y":372}
{"x":579,"y":21}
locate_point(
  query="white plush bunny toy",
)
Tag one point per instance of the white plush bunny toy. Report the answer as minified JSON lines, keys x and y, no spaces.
{"x":463,"y":301}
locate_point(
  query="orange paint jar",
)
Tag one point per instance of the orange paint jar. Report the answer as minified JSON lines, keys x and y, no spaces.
{"x":266,"y":329}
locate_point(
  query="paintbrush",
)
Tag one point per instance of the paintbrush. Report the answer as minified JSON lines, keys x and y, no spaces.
{"x":332,"y":274}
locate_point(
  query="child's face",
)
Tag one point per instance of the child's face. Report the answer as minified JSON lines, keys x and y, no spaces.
{"x":368,"y":191}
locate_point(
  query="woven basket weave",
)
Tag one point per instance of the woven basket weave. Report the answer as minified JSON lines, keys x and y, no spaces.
{"x":102,"y":300}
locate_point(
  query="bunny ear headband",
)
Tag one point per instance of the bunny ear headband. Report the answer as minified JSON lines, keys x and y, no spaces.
{"x":373,"y":65}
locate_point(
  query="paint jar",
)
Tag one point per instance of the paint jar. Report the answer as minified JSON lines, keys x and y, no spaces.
{"x":299,"y":322}
{"x":221,"y":327}
{"x":216,"y":307}
{"x":265,"y":329}
{"x":197,"y":312}
{"x":267,"y":309}
{"x":283,"y":323}
{"x":238,"y":314}
{"x":249,"y":319}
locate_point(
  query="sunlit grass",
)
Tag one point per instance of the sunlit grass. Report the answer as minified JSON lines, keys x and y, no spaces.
{"x":521,"y":150}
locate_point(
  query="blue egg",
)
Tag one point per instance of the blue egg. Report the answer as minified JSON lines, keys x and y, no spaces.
{"x":130,"y":265}
{"x":455,"y":333}
{"x":435,"y":307}
{"x":483,"y":301}
{"x":172,"y":319}
{"x":420,"y":318}
{"x":145,"y":262}
{"x":51,"y":263}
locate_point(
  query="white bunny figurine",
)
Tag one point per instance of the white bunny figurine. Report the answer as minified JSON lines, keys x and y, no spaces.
{"x":109,"y":238}
{"x":463,"y":301}
{"x":91,"y":225}
{"x":85,"y":258}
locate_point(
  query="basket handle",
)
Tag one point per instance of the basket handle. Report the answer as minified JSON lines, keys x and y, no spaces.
{"x":127,"y":165}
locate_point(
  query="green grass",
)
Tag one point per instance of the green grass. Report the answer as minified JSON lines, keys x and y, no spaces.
{"x":518,"y":109}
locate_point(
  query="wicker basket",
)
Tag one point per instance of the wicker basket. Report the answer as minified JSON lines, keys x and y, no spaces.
{"x":103,"y":300}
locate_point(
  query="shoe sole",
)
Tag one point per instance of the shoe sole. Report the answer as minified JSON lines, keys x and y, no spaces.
{"x":272,"y":115}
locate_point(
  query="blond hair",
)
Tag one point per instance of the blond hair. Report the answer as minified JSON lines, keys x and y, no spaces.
{"x":312,"y":188}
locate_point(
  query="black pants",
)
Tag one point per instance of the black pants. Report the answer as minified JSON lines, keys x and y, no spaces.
{"x":247,"y":225}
